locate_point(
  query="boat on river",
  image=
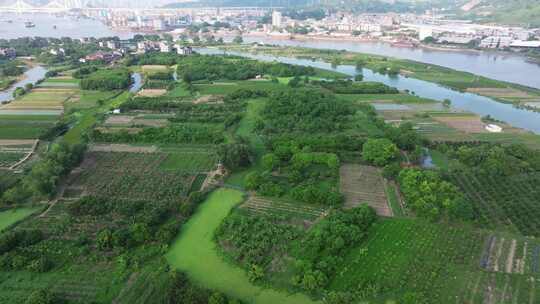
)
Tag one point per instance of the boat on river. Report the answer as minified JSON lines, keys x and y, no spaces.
{"x":29,"y":24}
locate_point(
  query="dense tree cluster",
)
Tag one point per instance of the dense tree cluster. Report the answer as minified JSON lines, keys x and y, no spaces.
{"x":206,"y":67}
{"x":301,"y":177}
{"x":427,"y":194}
{"x":84,"y":71}
{"x":235,"y":155}
{"x":265,"y":238}
{"x":11,"y":68}
{"x":379,"y":152}
{"x":174,"y":133}
{"x":309,"y":111}
{"x":106,"y":80}
{"x":350,"y":87}
{"x":325,"y":245}
{"x":13,"y":255}
{"x":496,"y":159}
{"x":44,"y":176}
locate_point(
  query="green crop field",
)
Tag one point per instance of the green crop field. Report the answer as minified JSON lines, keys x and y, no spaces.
{"x":512,"y":202}
{"x":25,"y":126}
{"x":135,"y":176}
{"x":194,"y":161}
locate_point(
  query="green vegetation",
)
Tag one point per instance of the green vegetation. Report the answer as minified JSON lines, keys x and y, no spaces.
{"x":11,"y":216}
{"x":130,"y":213}
{"x":196,"y":243}
{"x":105,"y":80}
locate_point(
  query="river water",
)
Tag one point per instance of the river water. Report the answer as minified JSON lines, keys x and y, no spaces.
{"x":465,"y":101}
{"x":500,"y":66}
{"x":32,"y":75}
{"x":497,"y":65}
{"x":66,"y":26}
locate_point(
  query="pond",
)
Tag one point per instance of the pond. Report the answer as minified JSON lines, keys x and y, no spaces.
{"x":195,"y":252}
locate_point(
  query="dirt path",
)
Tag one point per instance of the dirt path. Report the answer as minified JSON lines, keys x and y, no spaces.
{"x":126,"y":288}
{"x":20,"y":162}
{"x":499,"y":251}
{"x":510,"y":259}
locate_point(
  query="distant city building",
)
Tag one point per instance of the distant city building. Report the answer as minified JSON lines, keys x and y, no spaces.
{"x":164,"y":47}
{"x":113,"y":44}
{"x":8,"y":53}
{"x":184,"y":50}
{"x":276,"y":19}
{"x":102,"y":56}
{"x":525,"y":44}
{"x":159,"y":25}
{"x":496,"y":42}
{"x":57,"y":52}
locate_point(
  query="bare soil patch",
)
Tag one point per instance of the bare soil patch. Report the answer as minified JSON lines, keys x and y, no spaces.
{"x":364,"y":185}
{"x":154,"y":67}
{"x":117,"y":130}
{"x":16,"y":142}
{"x":150,"y":122}
{"x":151,"y":92}
{"x":467,"y":124}
{"x":122,"y":148}
{"x":119,"y":120}
{"x":500,"y":92}
{"x":209,"y":99}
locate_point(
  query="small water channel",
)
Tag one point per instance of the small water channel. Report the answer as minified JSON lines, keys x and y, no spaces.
{"x":136,"y":82}
{"x":474,"y":103}
{"x":32,"y":75}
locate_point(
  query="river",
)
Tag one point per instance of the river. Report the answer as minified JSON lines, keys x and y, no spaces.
{"x":496,"y":65}
{"x":66,"y":26}
{"x":32,"y":75}
{"x":480,"y":105}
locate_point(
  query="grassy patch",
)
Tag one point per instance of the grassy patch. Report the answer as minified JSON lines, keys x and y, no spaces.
{"x":12,"y":216}
{"x":196,"y":161}
{"x":393,"y":200}
{"x":179,"y":91}
{"x":246,"y":128}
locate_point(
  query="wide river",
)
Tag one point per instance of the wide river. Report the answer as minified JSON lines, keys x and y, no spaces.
{"x":465,"y":101}
{"x":497,"y":65}
{"x":501,"y":66}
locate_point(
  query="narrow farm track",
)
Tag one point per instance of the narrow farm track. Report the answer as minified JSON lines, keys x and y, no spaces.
{"x":194,"y":252}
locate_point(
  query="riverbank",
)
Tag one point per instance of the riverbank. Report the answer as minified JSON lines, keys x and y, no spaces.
{"x":505,"y":92}
{"x":195,"y":252}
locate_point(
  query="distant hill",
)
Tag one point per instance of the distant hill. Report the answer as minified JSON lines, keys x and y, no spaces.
{"x":517,"y":12}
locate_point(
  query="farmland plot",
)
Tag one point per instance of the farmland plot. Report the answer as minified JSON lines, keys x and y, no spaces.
{"x":508,"y":254}
{"x":266,"y":206}
{"x":364,"y":184}
{"x":12,"y":152}
{"x":21,"y":127}
{"x":405,"y":255}
{"x":504,"y":203}
{"x":135,"y":176}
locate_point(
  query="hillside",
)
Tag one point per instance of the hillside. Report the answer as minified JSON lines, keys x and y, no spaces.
{"x":516,"y":12}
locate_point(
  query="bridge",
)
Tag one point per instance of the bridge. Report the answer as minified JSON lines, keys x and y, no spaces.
{"x":62,"y":6}
{"x":55,"y":6}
